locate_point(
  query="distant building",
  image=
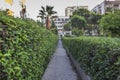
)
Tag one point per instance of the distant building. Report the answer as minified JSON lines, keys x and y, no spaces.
{"x":60,"y":21}
{"x":107,"y":6}
{"x":69,"y":10}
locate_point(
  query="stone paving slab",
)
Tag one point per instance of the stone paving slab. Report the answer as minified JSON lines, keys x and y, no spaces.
{"x":59,"y":67}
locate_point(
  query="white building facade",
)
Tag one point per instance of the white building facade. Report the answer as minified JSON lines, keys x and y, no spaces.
{"x":107,"y":6}
{"x":69,"y":10}
{"x":60,"y":21}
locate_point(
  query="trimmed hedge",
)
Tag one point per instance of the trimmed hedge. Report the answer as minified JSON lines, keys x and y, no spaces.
{"x":98,"y":56}
{"x":25,"y":48}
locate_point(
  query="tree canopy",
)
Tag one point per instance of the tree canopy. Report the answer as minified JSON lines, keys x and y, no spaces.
{"x":82,"y":12}
{"x":67,"y":27}
{"x":110,"y":24}
{"x":45,"y":13}
{"x":78,"y":22}
{"x":94,"y":18}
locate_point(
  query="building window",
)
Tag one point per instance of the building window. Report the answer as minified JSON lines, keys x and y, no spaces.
{"x":62,"y":19}
{"x":58,"y":19}
{"x":66,"y":19}
{"x":59,"y":26}
{"x":116,"y":7}
{"x":55,"y":22}
{"x":108,"y":9}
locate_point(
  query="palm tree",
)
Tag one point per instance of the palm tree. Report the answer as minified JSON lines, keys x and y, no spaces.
{"x":46,"y":13}
{"x":42,"y":14}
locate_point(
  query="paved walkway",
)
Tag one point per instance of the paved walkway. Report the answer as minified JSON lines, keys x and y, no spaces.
{"x":59,"y":67}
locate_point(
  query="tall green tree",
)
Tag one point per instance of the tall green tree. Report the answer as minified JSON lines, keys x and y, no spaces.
{"x":110,"y":24}
{"x":93,"y":22}
{"x":67,"y":26}
{"x":42,"y":14}
{"x":78,"y":22}
{"x":82,"y":12}
{"x":94,"y":18}
{"x":46,"y":13}
{"x":86,"y":14}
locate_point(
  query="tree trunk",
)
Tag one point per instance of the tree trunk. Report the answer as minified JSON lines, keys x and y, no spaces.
{"x":47,"y":22}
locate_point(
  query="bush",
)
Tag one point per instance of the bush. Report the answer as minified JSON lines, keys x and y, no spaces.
{"x":54,"y":31}
{"x":110,"y":25}
{"x":78,"y":22}
{"x":25,"y":48}
{"x":98,"y":56}
{"x":77,"y":32}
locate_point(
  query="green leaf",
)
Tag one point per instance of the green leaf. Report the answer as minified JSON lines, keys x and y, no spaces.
{"x":7,"y":55}
{"x":17,"y":68}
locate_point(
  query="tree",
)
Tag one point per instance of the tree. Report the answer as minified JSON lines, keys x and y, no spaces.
{"x":67,"y":27}
{"x":82,"y":12}
{"x":110,"y":24}
{"x":47,"y":12}
{"x":78,"y":22}
{"x":93,"y":22}
{"x":42,"y":14}
{"x":77,"y":32}
{"x":53,"y":28}
{"x":94,"y":18}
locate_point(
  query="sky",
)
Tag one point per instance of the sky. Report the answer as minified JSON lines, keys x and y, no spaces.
{"x":33,"y":6}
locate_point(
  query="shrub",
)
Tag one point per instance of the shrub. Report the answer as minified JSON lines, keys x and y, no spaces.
{"x":78,"y":22}
{"x":25,"y":49}
{"x":98,"y":56}
{"x":110,"y":25}
{"x":77,"y":32}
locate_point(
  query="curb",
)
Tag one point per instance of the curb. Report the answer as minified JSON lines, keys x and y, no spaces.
{"x":79,"y":70}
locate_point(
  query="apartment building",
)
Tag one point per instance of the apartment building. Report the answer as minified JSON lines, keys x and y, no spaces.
{"x":60,"y":21}
{"x":107,"y":6}
{"x":69,"y":10}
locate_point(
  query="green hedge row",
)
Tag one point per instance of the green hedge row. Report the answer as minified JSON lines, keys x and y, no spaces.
{"x":25,"y":48}
{"x":98,"y":56}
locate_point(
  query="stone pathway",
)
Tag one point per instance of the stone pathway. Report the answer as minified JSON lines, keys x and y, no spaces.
{"x":59,"y":67}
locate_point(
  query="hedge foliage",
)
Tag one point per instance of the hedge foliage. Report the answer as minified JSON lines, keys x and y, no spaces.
{"x":25,"y":48}
{"x":98,"y":56}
